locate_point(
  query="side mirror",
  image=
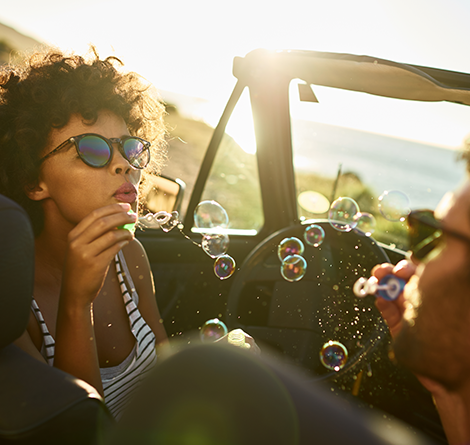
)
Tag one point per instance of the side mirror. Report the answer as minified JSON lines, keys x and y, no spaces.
{"x":165,"y":194}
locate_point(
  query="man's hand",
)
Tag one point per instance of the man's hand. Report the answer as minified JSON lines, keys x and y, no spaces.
{"x":392,"y":311}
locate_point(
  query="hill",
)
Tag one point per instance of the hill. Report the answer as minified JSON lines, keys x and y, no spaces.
{"x":13,"y":43}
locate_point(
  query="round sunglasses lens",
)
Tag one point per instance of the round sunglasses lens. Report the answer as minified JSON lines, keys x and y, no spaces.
{"x":94,"y":151}
{"x":137,"y":154}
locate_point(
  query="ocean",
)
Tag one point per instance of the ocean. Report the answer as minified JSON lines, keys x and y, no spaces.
{"x":423,"y":172}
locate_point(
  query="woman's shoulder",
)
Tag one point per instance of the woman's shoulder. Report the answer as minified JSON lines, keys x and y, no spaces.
{"x":134,"y":253}
{"x":137,"y":262}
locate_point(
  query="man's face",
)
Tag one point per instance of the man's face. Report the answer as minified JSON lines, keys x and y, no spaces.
{"x":435,"y":339}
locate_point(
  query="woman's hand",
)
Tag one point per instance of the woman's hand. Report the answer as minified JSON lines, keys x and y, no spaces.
{"x":92,"y":244}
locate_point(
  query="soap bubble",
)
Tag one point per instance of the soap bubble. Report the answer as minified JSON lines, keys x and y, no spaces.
{"x":341,"y":214}
{"x":333,"y":355}
{"x":293,"y":268}
{"x":394,"y":205}
{"x":290,"y":246}
{"x":224,"y":266}
{"x":212,"y":330}
{"x":314,"y":235}
{"x":172,"y":221}
{"x":210,"y":215}
{"x":365,"y":222}
{"x":215,"y":245}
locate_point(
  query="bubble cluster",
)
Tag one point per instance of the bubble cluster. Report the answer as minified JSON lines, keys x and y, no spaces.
{"x":293,"y":265}
{"x":314,"y":235}
{"x":394,"y":205}
{"x":211,"y":219}
{"x":212,"y":330}
{"x":293,"y":268}
{"x":341,"y":214}
{"x":290,"y":246}
{"x":224,"y":266}
{"x":334,"y":355}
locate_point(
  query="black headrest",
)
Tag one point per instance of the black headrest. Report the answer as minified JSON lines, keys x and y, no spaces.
{"x":16,"y":270}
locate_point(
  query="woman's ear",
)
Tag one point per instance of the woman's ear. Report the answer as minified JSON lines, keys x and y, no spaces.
{"x":36,"y":191}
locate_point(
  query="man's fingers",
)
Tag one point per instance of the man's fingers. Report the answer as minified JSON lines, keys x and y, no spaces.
{"x":381,"y":270}
{"x":404,"y":269}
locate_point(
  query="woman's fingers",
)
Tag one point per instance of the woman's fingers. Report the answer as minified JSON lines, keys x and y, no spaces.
{"x":91,"y":246}
{"x":101,"y":221}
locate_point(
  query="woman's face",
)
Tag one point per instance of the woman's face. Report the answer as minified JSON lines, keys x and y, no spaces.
{"x":70,"y":189}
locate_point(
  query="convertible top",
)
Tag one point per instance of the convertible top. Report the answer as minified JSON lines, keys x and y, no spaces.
{"x":357,"y":73}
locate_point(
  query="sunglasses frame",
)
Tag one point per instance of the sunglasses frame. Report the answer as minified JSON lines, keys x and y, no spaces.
{"x":427,"y":244}
{"x":120,"y":141}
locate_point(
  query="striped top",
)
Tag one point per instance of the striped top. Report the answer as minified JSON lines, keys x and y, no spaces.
{"x":118,"y":381}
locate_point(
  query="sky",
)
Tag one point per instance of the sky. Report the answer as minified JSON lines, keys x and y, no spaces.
{"x":188,"y":46}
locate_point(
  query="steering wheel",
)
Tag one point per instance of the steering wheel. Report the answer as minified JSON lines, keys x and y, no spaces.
{"x":298,"y":318}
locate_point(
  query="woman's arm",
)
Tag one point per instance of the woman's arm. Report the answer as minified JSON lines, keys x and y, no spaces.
{"x":91,"y":247}
{"x":139,"y":267}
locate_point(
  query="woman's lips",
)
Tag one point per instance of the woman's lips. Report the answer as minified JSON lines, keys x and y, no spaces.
{"x":126,"y":193}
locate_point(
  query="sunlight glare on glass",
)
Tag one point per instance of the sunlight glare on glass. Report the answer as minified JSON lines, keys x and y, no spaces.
{"x":240,"y":125}
{"x":443,"y":124}
{"x":313,"y":202}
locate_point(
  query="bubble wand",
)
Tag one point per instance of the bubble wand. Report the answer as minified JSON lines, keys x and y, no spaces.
{"x":388,"y":288}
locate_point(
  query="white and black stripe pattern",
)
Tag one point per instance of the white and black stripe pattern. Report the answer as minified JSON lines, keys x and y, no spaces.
{"x":48,"y":342}
{"x":118,"y":389}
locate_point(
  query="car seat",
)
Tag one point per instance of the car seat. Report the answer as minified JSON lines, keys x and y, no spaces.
{"x":39,"y":404}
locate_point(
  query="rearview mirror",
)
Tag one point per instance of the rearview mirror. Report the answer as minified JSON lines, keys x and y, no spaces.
{"x":165,"y":194}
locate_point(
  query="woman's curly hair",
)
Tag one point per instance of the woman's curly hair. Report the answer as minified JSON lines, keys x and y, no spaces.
{"x":45,"y":91}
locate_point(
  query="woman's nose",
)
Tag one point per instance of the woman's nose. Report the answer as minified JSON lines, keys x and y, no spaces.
{"x":119,"y":164}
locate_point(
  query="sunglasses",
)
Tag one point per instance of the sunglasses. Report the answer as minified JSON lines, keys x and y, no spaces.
{"x":96,"y":150}
{"x":426,"y":234}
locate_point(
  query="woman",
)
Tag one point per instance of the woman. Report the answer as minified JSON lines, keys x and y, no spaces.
{"x":67,"y":156}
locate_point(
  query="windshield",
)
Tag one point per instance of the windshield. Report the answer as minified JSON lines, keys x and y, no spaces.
{"x":356,"y":145}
